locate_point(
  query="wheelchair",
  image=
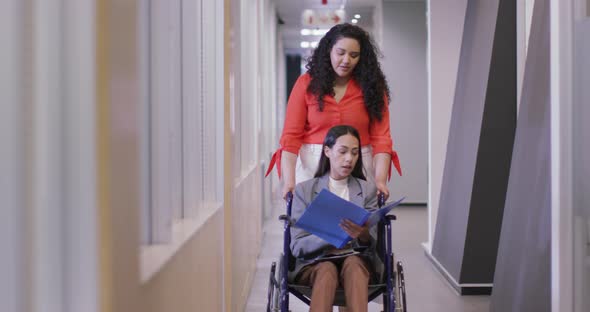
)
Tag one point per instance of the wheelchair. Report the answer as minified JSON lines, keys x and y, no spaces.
{"x":391,"y":286}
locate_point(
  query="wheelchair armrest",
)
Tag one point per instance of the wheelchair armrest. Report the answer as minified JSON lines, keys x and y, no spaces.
{"x":390,"y":217}
{"x":286,"y":218}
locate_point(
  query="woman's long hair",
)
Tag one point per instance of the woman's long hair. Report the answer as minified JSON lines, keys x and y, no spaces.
{"x":333,"y":134}
{"x":367,"y":71}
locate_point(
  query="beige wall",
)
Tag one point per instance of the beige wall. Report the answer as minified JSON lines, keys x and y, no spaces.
{"x":117,"y":104}
{"x":193,"y":279}
{"x":246,"y":236}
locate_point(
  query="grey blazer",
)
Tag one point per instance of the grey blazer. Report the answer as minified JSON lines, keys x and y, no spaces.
{"x":306,"y":247}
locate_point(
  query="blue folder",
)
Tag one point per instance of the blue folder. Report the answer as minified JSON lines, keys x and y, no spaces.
{"x":322,"y":217}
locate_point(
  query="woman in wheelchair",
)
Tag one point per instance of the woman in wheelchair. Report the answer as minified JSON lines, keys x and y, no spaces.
{"x":318,"y":263}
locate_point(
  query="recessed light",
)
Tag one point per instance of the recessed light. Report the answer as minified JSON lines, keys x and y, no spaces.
{"x":304,"y":44}
{"x":357,"y":16}
{"x":305,"y":32}
{"x":354,"y":21}
{"x":317,"y":32}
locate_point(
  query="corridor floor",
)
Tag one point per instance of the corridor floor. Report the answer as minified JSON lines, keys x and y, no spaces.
{"x":426,"y":289}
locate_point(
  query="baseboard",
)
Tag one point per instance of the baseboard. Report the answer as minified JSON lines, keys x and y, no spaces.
{"x":462,"y":289}
{"x":413,"y":204}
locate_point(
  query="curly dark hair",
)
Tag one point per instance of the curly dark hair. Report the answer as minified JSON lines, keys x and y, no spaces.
{"x":367,"y":73}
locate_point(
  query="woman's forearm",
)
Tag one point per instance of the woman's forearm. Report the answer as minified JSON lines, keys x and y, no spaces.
{"x":381,"y":163}
{"x":288,"y":162}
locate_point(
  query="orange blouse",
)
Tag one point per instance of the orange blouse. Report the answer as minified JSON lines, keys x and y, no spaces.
{"x":305,"y":124}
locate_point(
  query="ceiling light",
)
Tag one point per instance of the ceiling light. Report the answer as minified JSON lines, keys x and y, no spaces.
{"x":304,"y":44}
{"x":357,"y":16}
{"x":305,"y":32}
{"x":319,"y":32}
{"x":354,"y":21}
{"x":314,"y":44}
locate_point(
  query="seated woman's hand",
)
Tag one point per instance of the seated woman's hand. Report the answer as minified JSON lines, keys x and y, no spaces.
{"x":355,"y":231}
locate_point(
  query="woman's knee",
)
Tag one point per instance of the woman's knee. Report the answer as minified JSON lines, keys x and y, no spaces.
{"x":355,"y":265}
{"x":327,"y":269}
{"x":325,"y":275}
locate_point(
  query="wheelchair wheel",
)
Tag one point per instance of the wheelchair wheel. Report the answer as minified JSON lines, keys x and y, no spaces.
{"x":278,"y":294}
{"x":400,"y":288}
{"x":272,"y":289}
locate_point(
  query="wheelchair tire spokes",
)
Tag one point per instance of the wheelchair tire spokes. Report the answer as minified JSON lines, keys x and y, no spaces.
{"x":271,"y":287}
{"x":283,"y":290}
{"x":401,"y":286}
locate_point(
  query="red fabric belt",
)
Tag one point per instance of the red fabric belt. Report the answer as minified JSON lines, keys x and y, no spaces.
{"x":396,"y":164}
{"x":276,"y":159}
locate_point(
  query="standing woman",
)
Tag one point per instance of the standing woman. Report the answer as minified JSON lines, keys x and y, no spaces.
{"x":344,"y":84}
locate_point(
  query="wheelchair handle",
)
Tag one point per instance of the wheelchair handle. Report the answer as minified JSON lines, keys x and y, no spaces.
{"x":289,"y":200}
{"x":381,"y":200}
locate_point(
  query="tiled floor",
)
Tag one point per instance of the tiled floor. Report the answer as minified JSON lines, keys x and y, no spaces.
{"x":426,"y":289}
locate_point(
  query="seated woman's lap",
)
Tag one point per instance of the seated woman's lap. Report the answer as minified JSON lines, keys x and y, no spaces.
{"x":337,"y":270}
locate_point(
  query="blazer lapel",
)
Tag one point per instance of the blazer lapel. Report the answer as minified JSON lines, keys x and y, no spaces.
{"x":322,"y":183}
{"x":355,"y":192}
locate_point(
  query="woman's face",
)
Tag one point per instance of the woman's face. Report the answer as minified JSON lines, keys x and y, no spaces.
{"x":343,"y":156}
{"x":345,"y":54}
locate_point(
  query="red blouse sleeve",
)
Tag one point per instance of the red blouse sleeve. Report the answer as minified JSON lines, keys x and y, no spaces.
{"x":380,"y":136}
{"x":296,"y":117}
{"x":294,"y":127}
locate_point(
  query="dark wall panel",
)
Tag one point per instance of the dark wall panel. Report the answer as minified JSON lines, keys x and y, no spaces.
{"x":480,"y":144}
{"x":522,"y":280}
{"x":293,"y":71}
{"x":466,"y":117}
{"x":494,"y":154}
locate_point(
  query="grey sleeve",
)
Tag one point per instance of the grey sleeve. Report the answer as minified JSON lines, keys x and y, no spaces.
{"x":371,"y":200}
{"x":371,"y":204}
{"x":303,"y":243}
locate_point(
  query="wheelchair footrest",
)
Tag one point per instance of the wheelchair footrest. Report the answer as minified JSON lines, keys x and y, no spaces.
{"x":340,"y":298}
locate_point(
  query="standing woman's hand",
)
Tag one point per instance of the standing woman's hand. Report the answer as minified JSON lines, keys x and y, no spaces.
{"x":287,"y":187}
{"x":382,"y":189}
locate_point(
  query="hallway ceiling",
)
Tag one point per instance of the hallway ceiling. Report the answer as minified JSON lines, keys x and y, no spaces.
{"x":290,"y":12}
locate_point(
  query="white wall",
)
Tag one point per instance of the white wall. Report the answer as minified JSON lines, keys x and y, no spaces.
{"x":378,"y":23}
{"x":404,"y":65}
{"x":562,"y":17}
{"x":270,"y":58}
{"x":581,"y":158}
{"x":445,"y":31}
{"x":12,"y":152}
{"x":48,"y":227}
